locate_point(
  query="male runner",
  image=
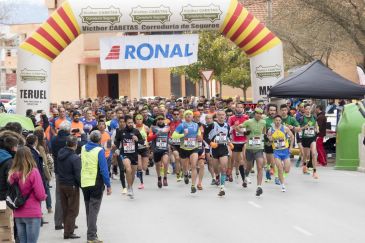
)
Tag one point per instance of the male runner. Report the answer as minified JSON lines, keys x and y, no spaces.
{"x":175,"y":144}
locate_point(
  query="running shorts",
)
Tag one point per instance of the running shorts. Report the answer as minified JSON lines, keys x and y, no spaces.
{"x":132,"y":158}
{"x":282,"y":154}
{"x":299,"y":139}
{"x":175,"y":148}
{"x":143,"y":152}
{"x":157,"y":155}
{"x":238,"y":147}
{"x":306,"y":142}
{"x":219,"y":152}
{"x":268,"y":149}
{"x":185,"y":154}
{"x":252,"y":155}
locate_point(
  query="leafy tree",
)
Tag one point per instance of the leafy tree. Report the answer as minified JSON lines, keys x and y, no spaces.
{"x":222,"y":56}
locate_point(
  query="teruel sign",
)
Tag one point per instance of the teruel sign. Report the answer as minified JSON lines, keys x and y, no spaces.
{"x":148,"y":51}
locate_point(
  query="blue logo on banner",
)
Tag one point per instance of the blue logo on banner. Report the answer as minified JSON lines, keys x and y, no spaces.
{"x":147,"y":51}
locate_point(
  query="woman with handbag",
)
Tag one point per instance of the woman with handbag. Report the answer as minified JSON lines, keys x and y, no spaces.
{"x":24,"y":172}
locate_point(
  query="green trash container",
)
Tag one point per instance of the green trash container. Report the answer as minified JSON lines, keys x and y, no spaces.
{"x":347,"y":140}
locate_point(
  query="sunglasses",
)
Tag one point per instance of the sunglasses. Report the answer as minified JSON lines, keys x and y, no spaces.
{"x":160,"y":119}
{"x":176,"y":114}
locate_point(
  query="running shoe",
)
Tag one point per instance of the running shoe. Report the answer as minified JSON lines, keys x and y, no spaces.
{"x":230,"y":178}
{"x":141,"y":186}
{"x":159,"y":183}
{"x":283,"y":189}
{"x":252,"y":171}
{"x":147,"y":171}
{"x":124,"y":190}
{"x":244,"y":183}
{"x":305,"y":169}
{"x":237,"y":176}
{"x":165,"y":182}
{"x":130,"y":193}
{"x":189,"y":173}
{"x":249,"y":181}
{"x":213,"y":182}
{"x":221,"y":192}
{"x":297,"y":164}
{"x":200,"y":187}
{"x":193,"y":189}
{"x":268,"y":175}
{"x":178,"y":178}
{"x":259,"y":191}
{"x":277,"y":181}
{"x":186,"y":179}
{"x":315,"y":175}
{"x":114,"y":177}
{"x":95,"y":241}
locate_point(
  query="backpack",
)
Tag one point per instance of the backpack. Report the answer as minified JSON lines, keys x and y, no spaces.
{"x":14,"y":198}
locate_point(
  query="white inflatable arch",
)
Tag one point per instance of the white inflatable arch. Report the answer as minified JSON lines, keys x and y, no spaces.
{"x":75,"y":17}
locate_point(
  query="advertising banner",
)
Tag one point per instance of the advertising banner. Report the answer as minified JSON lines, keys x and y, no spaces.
{"x":148,"y":51}
{"x":33,"y":79}
{"x":266,"y":70}
{"x":148,"y":16}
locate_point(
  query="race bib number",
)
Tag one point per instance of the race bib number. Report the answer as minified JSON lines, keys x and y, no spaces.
{"x":255,"y":141}
{"x":175,"y":141}
{"x":161,"y":143}
{"x":279,"y":144}
{"x":309,"y":132}
{"x":221,"y":138}
{"x":129,"y":147}
{"x":190,"y":143}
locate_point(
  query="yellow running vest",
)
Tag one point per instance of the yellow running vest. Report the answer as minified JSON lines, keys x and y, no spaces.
{"x":279,"y":138}
{"x":89,"y":166}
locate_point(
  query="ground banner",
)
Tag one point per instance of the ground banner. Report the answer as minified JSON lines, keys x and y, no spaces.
{"x":148,"y":51}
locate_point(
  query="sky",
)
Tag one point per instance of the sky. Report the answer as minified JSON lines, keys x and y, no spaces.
{"x":27,"y":11}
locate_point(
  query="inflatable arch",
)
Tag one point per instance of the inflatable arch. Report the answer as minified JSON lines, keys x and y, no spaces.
{"x":75,"y":17}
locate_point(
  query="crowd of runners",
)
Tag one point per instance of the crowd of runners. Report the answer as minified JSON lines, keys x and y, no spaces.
{"x":181,"y":136}
{"x":91,"y":143}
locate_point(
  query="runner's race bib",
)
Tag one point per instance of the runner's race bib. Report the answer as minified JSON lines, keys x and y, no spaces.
{"x":221,"y":138}
{"x":161,"y":143}
{"x":309,"y":132}
{"x":190,"y":143}
{"x":279,"y":144}
{"x":129,"y":146}
{"x":174,"y":141}
{"x":255,"y":141}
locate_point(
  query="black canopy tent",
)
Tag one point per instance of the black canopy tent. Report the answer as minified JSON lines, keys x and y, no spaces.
{"x":315,"y":80}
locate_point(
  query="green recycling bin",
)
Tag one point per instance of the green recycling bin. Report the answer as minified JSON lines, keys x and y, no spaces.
{"x":347,"y":140}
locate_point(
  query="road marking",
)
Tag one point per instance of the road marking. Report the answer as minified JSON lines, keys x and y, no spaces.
{"x":254,"y":204}
{"x":303,"y":231}
{"x":349,"y":174}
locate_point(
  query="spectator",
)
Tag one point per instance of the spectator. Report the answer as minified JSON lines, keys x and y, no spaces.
{"x":59,"y":142}
{"x":331,"y":107}
{"x":28,"y":217}
{"x":94,"y":174}
{"x":322,"y":122}
{"x":69,"y":169}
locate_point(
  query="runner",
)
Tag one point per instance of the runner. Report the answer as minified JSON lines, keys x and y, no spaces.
{"x":190,"y":131}
{"x":238,"y":140}
{"x":105,"y":143}
{"x":142,"y":150}
{"x":127,"y":140}
{"x":299,"y":116}
{"x":255,"y":130}
{"x":206,"y":142}
{"x":278,"y":134}
{"x":175,"y":144}
{"x":270,"y":161}
{"x":201,"y":152}
{"x":309,"y":133}
{"x":159,"y":137}
{"x":219,"y":140}
{"x":89,"y":122}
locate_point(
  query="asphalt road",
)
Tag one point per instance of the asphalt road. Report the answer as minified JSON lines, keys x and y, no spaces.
{"x":331,"y":209}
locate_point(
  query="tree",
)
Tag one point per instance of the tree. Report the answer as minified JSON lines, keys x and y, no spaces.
{"x":219,"y":54}
{"x":313,"y":29}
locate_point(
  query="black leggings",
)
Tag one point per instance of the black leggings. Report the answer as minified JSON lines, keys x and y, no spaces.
{"x":121,"y":172}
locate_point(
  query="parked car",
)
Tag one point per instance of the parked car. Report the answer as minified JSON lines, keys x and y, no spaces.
{"x":11,"y":106}
{"x":7,"y":97}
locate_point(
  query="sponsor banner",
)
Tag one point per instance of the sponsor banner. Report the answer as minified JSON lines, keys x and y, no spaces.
{"x":149,"y":16}
{"x":33,"y":78}
{"x":266,"y":70}
{"x":148,"y":51}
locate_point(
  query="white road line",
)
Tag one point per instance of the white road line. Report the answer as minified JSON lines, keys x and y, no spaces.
{"x":349,"y":174}
{"x":254,"y":204}
{"x":303,"y":231}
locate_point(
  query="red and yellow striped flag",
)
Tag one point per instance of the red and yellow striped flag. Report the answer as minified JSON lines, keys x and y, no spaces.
{"x":246,"y":31}
{"x":53,"y":36}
